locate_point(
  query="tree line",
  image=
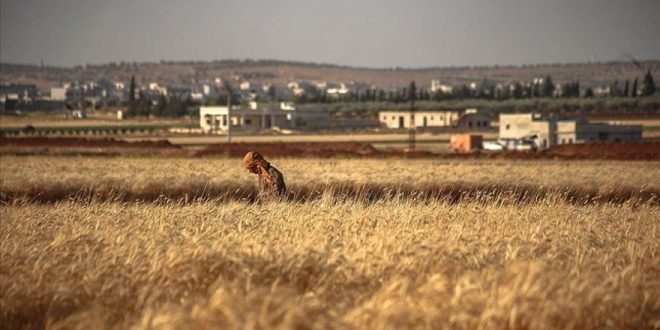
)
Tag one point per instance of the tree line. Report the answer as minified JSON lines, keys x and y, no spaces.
{"x":487,"y":90}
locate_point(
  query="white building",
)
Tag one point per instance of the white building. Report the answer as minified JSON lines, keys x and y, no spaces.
{"x":437,"y":87}
{"x":546,"y":132}
{"x":58,"y":93}
{"x":162,"y":90}
{"x":468,"y":119}
{"x":215,"y":119}
{"x":401,"y":118}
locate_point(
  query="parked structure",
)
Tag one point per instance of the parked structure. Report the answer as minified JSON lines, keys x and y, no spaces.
{"x":544,"y":132}
{"x":464,"y":143}
{"x":468,"y":119}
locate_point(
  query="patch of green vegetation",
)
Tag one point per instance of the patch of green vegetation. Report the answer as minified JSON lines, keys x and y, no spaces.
{"x":612,"y":105}
{"x":113,"y":129}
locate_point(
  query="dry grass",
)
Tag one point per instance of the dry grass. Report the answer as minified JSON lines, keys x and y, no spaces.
{"x":43,"y":174}
{"x":328,"y":262}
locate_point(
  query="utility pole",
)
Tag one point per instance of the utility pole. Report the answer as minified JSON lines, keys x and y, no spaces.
{"x":412,"y":94}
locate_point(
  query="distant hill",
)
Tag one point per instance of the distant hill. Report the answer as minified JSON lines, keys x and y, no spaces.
{"x":281,"y":72}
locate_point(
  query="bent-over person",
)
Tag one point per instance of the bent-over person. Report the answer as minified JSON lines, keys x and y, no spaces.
{"x":271,"y":180}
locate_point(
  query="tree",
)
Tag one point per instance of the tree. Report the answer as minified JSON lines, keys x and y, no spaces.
{"x":143,"y":106}
{"x":589,"y":93}
{"x":626,"y":88}
{"x":648,"y":85}
{"x":272,"y":93}
{"x":517,"y":92}
{"x":159,"y":109}
{"x":548,"y":87}
{"x":131,"y":98}
{"x":633,"y":92}
{"x":412,"y":92}
{"x":614,"y":88}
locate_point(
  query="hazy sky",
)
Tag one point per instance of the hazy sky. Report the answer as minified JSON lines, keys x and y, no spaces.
{"x":359,"y":33}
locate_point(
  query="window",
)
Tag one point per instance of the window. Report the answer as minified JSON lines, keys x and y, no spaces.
{"x":570,"y":141}
{"x":507,"y":126}
{"x":248,"y":121}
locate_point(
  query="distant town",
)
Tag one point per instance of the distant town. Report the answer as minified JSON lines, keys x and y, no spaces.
{"x":170,"y":89}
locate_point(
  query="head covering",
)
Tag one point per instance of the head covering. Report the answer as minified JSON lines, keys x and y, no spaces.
{"x":255,"y":160}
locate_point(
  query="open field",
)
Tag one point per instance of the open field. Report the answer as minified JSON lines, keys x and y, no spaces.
{"x":63,"y":177}
{"x":359,"y":244}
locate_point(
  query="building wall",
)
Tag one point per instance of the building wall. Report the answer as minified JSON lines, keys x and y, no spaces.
{"x":401,"y":119}
{"x":215,"y":119}
{"x":607,"y":133}
{"x":567,"y":132}
{"x":211,"y":118}
{"x":58,"y":93}
{"x":474,"y":121}
{"x":518,"y":126}
{"x":551,"y":132}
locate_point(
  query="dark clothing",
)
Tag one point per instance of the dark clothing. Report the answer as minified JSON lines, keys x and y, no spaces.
{"x":270,"y":189}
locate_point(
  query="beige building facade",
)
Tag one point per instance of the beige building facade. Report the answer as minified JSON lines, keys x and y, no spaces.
{"x":216,"y":119}
{"x":545,"y":132}
{"x":401,"y":119}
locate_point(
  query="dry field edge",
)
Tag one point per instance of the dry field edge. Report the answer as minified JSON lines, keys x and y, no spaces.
{"x":452,"y":193}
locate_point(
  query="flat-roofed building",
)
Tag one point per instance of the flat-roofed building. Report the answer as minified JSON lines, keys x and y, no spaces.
{"x":215,"y":119}
{"x":468,"y":119}
{"x":401,"y":119}
{"x":548,"y":131}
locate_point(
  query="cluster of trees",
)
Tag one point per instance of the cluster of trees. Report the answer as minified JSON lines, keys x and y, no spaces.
{"x":163,"y":107}
{"x":627,"y":90}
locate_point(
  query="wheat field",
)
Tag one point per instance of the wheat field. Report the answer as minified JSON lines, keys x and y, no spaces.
{"x":113,"y":243}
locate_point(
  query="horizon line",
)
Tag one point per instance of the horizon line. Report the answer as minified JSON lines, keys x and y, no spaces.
{"x":325,"y":64}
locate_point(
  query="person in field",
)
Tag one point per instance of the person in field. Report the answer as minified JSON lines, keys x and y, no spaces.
{"x":271,"y":180}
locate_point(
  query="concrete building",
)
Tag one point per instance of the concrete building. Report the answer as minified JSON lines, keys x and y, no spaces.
{"x":472,"y":119}
{"x":214,"y":119}
{"x":305,"y":119}
{"x":580,"y":131}
{"x":545,"y":132}
{"x":468,"y":119}
{"x":401,"y":119}
{"x":58,"y":93}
